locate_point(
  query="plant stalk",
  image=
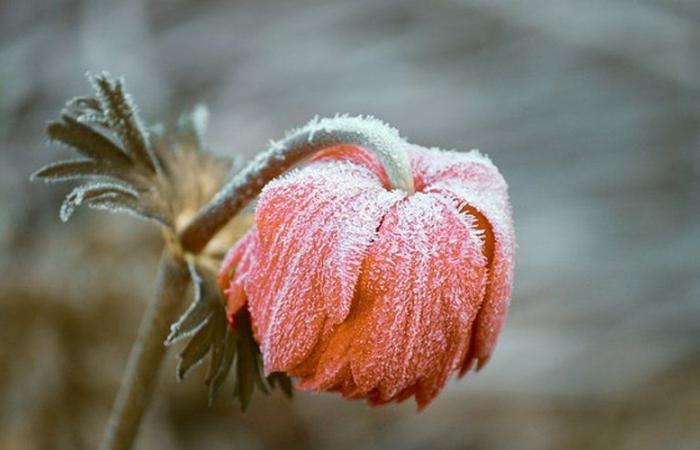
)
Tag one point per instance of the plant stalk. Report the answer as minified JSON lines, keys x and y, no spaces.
{"x":147,"y":353}
{"x":369,"y":134}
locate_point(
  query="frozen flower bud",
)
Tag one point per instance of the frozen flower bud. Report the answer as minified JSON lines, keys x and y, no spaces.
{"x":376,"y":293}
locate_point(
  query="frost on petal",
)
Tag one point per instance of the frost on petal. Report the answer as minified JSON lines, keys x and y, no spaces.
{"x":491,"y":209}
{"x":433,"y":165}
{"x":477,"y":188}
{"x":355,"y":155}
{"x":420,"y":289}
{"x":314,"y":226}
{"x":234,"y":271}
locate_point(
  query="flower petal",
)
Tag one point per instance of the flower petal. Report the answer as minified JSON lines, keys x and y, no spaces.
{"x":421,"y":286}
{"x":234,"y":271}
{"x":433,"y":165}
{"x":314,"y":226}
{"x":477,"y":188}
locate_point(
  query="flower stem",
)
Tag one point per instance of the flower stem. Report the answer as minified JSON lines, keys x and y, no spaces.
{"x":147,"y":353}
{"x":368,"y":133}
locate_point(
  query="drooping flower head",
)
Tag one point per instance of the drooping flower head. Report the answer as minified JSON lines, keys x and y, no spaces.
{"x":373,"y":292}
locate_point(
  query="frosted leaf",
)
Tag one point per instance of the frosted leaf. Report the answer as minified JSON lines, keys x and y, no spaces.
{"x":122,"y":115}
{"x":70,"y":170}
{"x":168,"y":170}
{"x":195,"y":350}
{"x":202,"y":307}
{"x":120,"y":203}
{"x":86,"y":192}
{"x":85,"y":104}
{"x":86,"y":140}
{"x":207,"y":331}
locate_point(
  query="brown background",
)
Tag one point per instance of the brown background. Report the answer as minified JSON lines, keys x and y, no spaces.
{"x":590,"y":108}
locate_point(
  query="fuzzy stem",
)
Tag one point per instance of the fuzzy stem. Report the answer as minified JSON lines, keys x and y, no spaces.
{"x":368,"y":133}
{"x":147,"y":353}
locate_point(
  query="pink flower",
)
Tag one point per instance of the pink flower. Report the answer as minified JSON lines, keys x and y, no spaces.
{"x":375,"y":293}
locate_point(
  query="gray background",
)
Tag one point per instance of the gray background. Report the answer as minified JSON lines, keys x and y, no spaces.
{"x":591,"y":109}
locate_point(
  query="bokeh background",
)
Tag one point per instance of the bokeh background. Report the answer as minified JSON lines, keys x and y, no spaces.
{"x":591,"y":109}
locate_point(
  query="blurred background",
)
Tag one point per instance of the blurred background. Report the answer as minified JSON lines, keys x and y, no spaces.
{"x":590,"y":108}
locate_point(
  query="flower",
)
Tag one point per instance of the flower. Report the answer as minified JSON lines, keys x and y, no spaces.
{"x":372,"y":292}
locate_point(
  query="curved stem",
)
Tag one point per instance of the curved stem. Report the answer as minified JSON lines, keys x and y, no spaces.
{"x":368,"y":133}
{"x":147,"y":353}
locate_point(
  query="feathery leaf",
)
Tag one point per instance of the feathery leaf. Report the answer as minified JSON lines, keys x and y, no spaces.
{"x":86,"y":141}
{"x":88,"y":191}
{"x":70,"y":170}
{"x":122,"y":116}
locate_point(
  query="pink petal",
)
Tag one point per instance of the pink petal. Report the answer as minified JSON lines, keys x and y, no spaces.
{"x":476,"y":187}
{"x":314,"y":227}
{"x":421,"y":286}
{"x":433,"y":165}
{"x":234,"y":270}
{"x":355,"y":155}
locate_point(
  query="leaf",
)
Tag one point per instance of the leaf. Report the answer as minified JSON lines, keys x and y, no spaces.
{"x":122,"y":116}
{"x":206,"y":326}
{"x":120,"y":203}
{"x":281,"y":380}
{"x":200,"y":310}
{"x":205,"y":320}
{"x":92,"y":118}
{"x":85,"y":103}
{"x":86,"y":141}
{"x":73,"y":169}
{"x":227,"y":360}
{"x":218,"y":336}
{"x":245,"y":373}
{"x":196,"y":349}
{"x":88,"y":191}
